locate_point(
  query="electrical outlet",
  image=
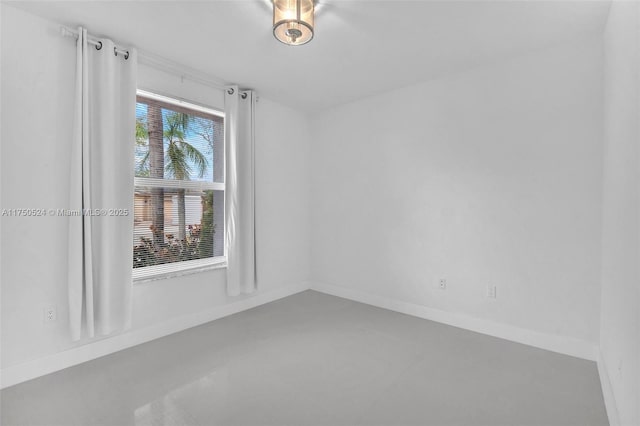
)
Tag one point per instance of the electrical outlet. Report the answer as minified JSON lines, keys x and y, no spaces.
{"x":443,"y":283}
{"x":492,"y":292}
{"x":50,"y":314}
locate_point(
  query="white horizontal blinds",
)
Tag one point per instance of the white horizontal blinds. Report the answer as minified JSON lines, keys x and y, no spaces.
{"x":179,"y":186}
{"x":200,"y":222}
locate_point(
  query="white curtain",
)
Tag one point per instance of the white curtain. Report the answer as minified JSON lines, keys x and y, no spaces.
{"x":101,"y":185}
{"x":239,"y":191}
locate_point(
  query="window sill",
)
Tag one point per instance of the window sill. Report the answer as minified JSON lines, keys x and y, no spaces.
{"x":179,"y":269}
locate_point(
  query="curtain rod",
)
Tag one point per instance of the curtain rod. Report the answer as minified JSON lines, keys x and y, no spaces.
{"x":157,"y":61}
{"x":68,"y":32}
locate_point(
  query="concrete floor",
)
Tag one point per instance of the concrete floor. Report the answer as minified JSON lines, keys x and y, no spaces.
{"x":314,"y":359}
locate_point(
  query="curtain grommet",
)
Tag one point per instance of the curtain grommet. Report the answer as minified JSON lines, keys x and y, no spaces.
{"x":99,"y":45}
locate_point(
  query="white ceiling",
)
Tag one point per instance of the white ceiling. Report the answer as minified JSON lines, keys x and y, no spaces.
{"x":360,"y":47}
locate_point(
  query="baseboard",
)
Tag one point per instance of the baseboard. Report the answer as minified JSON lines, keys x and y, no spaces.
{"x":39,"y":367}
{"x":607,"y":392}
{"x":574,"y":347}
{"x":564,"y":345}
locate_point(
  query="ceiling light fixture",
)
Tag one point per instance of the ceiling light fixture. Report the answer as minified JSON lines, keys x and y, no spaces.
{"x":293,"y":21}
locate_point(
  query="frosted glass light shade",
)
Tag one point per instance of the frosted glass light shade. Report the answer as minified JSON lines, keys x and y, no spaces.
{"x":293,"y":21}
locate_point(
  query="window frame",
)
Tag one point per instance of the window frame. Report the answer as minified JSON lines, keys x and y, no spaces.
{"x":187,"y":267}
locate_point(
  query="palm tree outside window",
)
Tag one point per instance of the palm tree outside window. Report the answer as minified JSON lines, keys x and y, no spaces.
{"x":179,"y":185}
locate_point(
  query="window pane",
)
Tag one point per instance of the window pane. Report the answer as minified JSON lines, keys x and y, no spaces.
{"x":175,"y":142}
{"x":175,"y":225}
{"x":177,"y":220}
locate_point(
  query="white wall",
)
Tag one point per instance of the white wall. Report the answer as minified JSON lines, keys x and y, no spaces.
{"x":491,"y":176}
{"x":37,"y":101}
{"x":620,"y":311}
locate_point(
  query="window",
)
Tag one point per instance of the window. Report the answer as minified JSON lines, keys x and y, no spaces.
{"x":179,"y":187}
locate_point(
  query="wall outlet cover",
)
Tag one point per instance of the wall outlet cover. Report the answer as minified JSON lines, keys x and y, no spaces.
{"x":492,"y":292}
{"x":50,"y":314}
